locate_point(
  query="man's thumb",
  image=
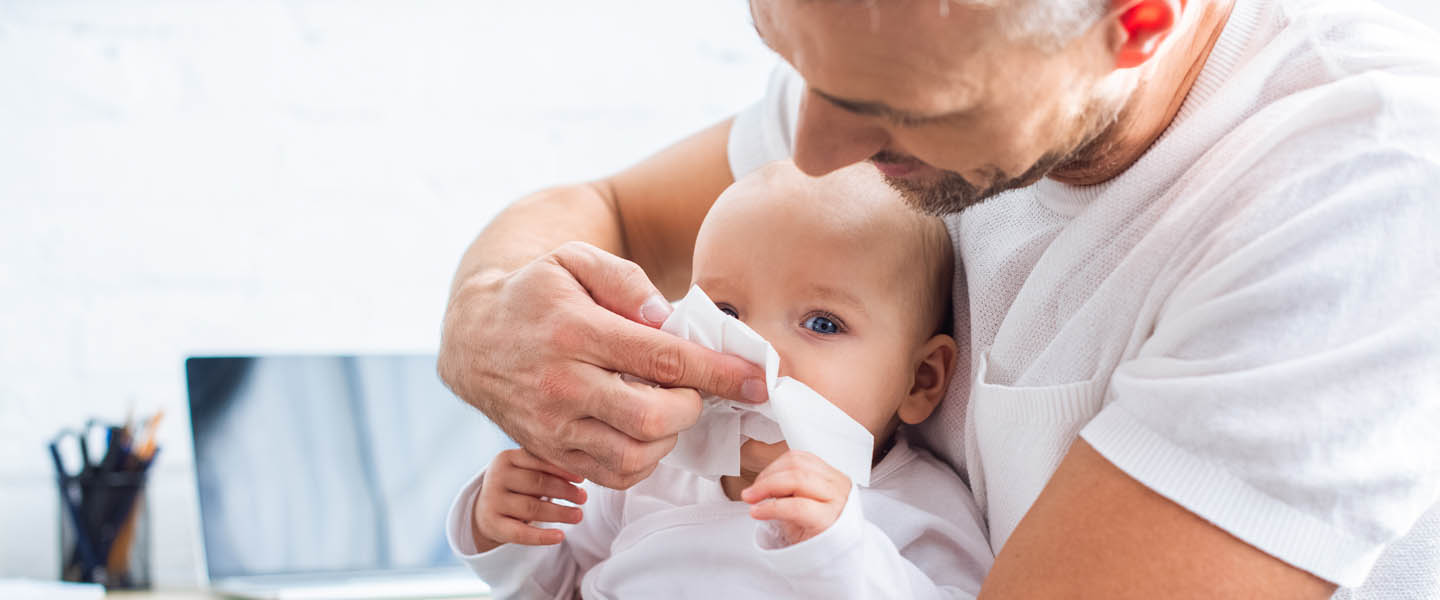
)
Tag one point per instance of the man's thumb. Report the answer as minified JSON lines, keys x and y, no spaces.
{"x":616,"y":284}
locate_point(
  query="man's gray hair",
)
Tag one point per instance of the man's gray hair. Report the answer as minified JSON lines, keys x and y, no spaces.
{"x":1049,"y":23}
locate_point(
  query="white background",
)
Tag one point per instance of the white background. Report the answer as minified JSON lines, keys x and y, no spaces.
{"x":190,"y":176}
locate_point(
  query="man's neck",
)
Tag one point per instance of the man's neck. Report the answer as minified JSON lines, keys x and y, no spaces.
{"x":1157,"y":99}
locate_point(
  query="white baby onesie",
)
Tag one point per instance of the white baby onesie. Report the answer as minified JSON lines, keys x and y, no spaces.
{"x":915,"y":532}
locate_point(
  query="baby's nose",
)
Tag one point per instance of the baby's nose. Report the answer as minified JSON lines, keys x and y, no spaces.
{"x":787,"y":365}
{"x":784,"y":370}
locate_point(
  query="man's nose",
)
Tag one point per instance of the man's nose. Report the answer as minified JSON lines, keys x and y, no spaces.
{"x":829,"y":137}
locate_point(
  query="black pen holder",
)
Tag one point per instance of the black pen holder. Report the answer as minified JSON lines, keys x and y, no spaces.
{"x":104,"y":529}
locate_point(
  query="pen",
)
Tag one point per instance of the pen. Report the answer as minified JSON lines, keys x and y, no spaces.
{"x":88,"y":558}
{"x":114,"y":451}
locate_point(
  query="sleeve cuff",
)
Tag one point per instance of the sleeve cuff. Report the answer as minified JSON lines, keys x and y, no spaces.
{"x":462,"y":512}
{"x":1228,"y":502}
{"x":817,"y":552}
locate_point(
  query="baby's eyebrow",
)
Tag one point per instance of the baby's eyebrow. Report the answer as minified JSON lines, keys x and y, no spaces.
{"x":837,"y":295}
{"x":712,"y":286}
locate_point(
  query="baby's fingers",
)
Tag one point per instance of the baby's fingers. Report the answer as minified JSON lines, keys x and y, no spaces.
{"x":538,"y":484}
{"x":802,"y":513}
{"x":530,"y":508}
{"x":793,"y":482}
{"x":511,"y":531}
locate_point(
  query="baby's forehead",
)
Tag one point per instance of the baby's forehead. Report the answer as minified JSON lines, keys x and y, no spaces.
{"x":851,"y":201}
{"x":848,"y":222}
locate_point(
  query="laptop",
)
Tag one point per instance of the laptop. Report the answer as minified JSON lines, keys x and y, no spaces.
{"x":331,"y":476}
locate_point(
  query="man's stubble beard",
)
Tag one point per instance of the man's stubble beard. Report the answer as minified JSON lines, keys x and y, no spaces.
{"x":950,"y":193}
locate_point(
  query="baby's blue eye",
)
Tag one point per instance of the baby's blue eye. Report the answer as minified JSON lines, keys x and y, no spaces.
{"x":822,"y":324}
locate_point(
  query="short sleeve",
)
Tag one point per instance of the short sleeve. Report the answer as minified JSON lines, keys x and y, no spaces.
{"x":765,"y":131}
{"x":1290,"y":390}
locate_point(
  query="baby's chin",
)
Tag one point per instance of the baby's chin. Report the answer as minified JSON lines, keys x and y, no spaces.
{"x":756,"y":455}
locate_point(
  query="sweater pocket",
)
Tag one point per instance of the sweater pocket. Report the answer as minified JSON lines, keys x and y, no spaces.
{"x":1017,"y":437}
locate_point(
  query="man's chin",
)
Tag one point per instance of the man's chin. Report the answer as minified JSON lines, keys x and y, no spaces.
{"x":935,"y":192}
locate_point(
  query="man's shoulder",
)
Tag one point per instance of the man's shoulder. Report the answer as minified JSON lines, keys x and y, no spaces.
{"x":1340,"y":100}
{"x":1321,"y":45}
{"x":1318,"y":68}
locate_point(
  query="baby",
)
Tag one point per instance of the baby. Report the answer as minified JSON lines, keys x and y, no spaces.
{"x":852,"y":289}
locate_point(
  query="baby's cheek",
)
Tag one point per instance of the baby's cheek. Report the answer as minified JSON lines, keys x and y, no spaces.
{"x":869,"y":393}
{"x":865,"y":377}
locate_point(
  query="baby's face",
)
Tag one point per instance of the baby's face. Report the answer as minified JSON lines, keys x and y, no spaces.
{"x":831,"y":298}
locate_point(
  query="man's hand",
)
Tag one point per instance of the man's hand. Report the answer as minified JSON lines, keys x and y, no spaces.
{"x":516,"y":491}
{"x":799,"y":491}
{"x":540,"y":351}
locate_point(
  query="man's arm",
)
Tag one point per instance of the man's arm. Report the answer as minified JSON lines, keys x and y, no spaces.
{"x":648,"y":213}
{"x":545,"y":313}
{"x":1094,"y":532}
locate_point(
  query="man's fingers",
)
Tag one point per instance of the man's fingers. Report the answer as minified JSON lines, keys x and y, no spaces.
{"x":530,"y":508}
{"x":591,"y":468}
{"x":617,"y":284}
{"x":609,"y":457}
{"x":672,"y":362}
{"x":641,"y":411}
{"x":623,"y":338}
{"x":512,"y":531}
{"x":525,"y":460}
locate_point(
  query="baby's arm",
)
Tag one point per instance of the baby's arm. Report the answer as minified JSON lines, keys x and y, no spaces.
{"x":819,"y":538}
{"x":494,"y":528}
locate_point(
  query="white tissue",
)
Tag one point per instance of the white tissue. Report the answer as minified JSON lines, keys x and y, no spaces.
{"x":795,"y":413}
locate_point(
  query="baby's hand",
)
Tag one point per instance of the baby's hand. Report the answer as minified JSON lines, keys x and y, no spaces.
{"x":516,"y":491}
{"x":799,"y":491}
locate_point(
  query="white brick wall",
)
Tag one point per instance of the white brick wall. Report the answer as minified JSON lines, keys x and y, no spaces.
{"x":180,"y":176}
{"x":265,"y":175}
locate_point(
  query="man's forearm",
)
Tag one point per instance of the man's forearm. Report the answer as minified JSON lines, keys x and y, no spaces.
{"x":538,"y":223}
{"x":665,"y":197}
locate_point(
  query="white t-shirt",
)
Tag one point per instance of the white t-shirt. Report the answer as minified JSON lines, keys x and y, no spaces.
{"x":913,"y":533}
{"x":1247,"y":321}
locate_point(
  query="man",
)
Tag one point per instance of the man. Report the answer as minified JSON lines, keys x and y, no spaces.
{"x":1198,"y":299}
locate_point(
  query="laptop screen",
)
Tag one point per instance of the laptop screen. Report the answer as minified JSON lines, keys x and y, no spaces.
{"x":309,"y":464}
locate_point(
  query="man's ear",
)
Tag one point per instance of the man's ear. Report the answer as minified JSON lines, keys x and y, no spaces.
{"x":933,"y":366}
{"x":1139,"y":26}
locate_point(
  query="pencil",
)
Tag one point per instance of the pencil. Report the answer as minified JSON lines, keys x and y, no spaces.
{"x":148,"y":447}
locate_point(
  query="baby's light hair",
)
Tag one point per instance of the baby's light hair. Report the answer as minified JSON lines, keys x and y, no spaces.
{"x":935,"y":281}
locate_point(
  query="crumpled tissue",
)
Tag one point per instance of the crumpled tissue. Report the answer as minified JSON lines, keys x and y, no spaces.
{"x":804,"y":419}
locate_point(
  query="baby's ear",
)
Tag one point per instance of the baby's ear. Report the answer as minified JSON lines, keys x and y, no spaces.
{"x":934,"y":363}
